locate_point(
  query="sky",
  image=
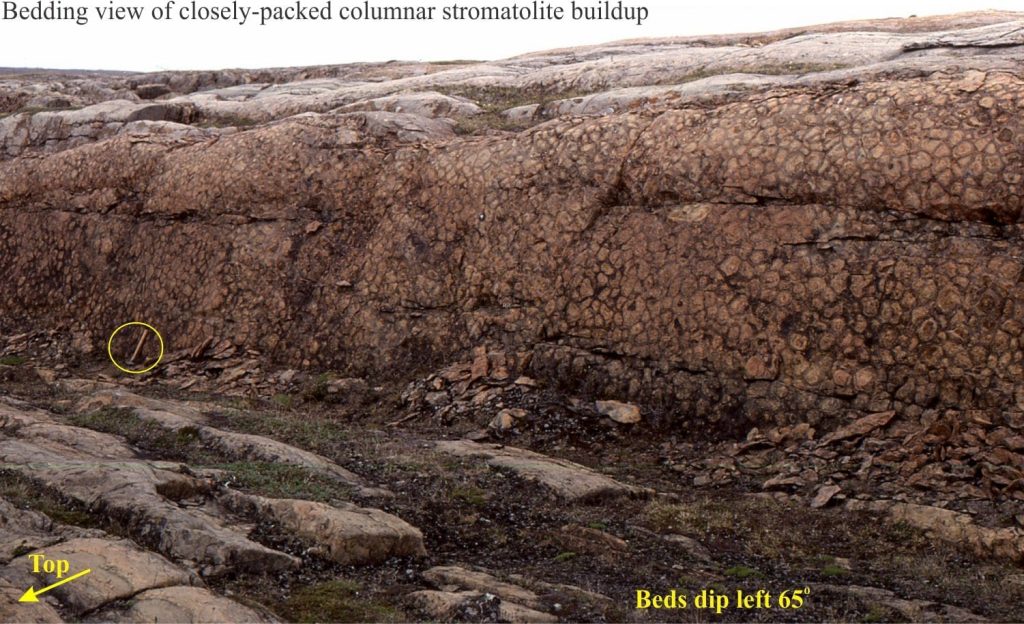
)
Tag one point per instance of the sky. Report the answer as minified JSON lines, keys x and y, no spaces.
{"x":151,"y":45}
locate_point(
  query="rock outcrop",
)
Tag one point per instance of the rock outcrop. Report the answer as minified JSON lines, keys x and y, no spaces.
{"x":795,"y":254}
{"x":571,"y":481}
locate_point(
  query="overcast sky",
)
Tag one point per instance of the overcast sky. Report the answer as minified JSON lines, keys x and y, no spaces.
{"x":149,"y":45}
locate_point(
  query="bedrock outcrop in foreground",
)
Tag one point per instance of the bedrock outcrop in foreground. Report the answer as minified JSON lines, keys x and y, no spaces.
{"x":840,"y":237}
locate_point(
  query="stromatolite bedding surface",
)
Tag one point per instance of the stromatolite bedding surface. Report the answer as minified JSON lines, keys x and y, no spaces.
{"x":791,"y":253}
{"x":508,"y":340}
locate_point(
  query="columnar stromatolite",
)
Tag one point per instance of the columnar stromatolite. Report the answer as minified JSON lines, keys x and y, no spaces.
{"x":787,"y":254}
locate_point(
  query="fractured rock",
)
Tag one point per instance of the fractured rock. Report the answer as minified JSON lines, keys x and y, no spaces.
{"x":172,"y":605}
{"x":11,"y":610}
{"x":565,"y":478}
{"x":111,"y":480}
{"x":860,"y":427}
{"x":175,"y":416}
{"x":951,"y":526}
{"x":443,"y":605}
{"x":913,"y":610}
{"x":458,"y":577}
{"x":22,"y":530}
{"x":119,"y":570}
{"x":344,"y":532}
{"x":824,"y":495}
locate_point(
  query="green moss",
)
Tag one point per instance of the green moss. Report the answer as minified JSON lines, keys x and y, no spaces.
{"x":337,"y":601}
{"x":565,"y":556}
{"x":284,"y":481}
{"x":12,"y":360}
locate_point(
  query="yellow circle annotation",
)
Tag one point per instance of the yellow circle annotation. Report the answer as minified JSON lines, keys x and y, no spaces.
{"x":159,"y":358}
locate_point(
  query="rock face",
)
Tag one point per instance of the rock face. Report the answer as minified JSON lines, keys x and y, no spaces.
{"x":823,"y":240}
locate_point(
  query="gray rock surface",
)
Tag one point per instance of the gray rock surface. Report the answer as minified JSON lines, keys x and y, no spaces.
{"x":564,"y":478}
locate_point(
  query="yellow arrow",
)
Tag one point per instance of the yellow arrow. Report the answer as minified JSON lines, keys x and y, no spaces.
{"x":31,"y":593}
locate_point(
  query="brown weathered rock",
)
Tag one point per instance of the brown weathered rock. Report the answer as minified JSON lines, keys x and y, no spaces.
{"x":860,"y":427}
{"x":824,"y":495}
{"x":619,"y":295}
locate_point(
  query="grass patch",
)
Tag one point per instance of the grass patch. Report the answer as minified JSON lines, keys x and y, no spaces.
{"x":26,"y":493}
{"x":337,"y":601}
{"x":765,"y":528}
{"x":762,"y":532}
{"x":284,"y":401}
{"x":284,"y":481}
{"x":470,"y":495}
{"x":317,"y":390}
{"x":320,"y":435}
{"x":182,"y":444}
{"x":834,"y":570}
{"x":879,"y":613}
{"x":12,"y":360}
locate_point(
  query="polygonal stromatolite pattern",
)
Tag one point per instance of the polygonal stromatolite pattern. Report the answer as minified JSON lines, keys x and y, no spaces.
{"x":789,"y":255}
